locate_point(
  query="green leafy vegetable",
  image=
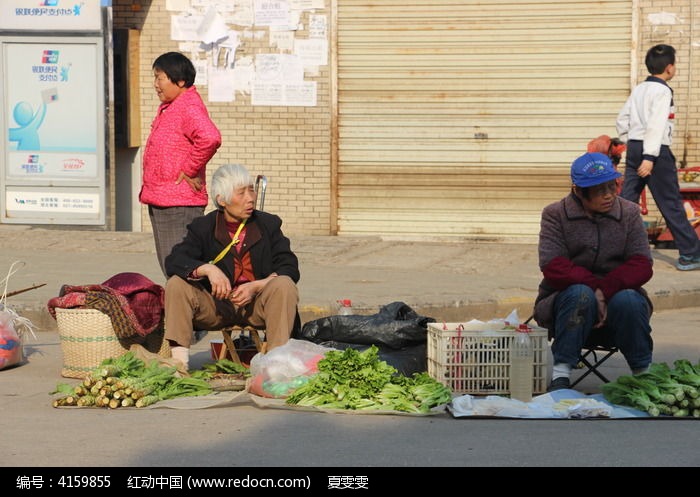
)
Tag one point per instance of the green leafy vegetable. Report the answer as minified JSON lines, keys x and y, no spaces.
{"x":358,"y":380}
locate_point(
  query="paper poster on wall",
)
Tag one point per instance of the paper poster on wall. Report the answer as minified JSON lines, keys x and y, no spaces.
{"x":318,"y":26}
{"x":306,"y":4}
{"x":242,"y":13}
{"x":213,"y":27}
{"x":243,"y":74}
{"x":271,"y":13}
{"x":202,"y":74}
{"x":312,"y":52}
{"x":282,"y":40}
{"x":278,"y":68}
{"x":184,"y":27}
{"x":221,"y":85}
{"x":301,"y":93}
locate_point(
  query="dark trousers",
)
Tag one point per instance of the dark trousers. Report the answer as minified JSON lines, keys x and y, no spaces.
{"x":170,"y":227}
{"x":627,"y":325}
{"x":663,"y":185}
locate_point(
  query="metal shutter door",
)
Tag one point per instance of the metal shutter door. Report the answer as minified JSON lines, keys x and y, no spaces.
{"x":461,"y":118}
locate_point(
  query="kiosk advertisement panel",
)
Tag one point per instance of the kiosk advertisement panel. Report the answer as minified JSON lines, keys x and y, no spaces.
{"x":52,"y":166}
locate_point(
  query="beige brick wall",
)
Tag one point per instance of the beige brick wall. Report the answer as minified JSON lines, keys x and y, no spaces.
{"x":290,"y":145}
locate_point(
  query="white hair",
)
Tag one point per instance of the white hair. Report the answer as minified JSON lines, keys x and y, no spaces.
{"x":226,"y":180}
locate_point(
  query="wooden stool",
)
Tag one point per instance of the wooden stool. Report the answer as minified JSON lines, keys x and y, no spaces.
{"x":229,"y":346}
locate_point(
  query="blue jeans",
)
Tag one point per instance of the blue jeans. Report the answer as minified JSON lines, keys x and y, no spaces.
{"x":627,"y":325}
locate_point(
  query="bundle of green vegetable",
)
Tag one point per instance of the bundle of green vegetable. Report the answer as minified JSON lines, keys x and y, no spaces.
{"x":127,"y":381}
{"x":660,"y":391}
{"x":352,"y":379}
{"x":222,"y":366}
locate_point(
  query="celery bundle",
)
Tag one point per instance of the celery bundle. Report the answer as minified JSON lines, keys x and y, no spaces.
{"x":661,"y":390}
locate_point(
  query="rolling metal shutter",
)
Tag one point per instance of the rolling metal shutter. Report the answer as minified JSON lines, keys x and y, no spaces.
{"x":460,"y":118}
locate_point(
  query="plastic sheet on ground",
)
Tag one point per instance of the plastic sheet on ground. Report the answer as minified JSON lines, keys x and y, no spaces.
{"x":219,"y":399}
{"x":232,"y":399}
{"x":280,"y":404}
{"x":560,"y":404}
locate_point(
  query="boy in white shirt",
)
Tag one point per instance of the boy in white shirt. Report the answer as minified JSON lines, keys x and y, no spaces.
{"x":645,"y":124}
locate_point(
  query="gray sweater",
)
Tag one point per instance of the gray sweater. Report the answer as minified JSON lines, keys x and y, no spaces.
{"x":608,"y":251}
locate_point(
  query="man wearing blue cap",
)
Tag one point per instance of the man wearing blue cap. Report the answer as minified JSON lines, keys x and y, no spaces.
{"x":594,"y":256}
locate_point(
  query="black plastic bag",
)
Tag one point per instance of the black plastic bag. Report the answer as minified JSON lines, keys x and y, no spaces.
{"x":396,"y":325}
{"x":398,"y":331}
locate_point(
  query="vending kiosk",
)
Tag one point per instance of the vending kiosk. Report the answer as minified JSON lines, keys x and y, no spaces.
{"x":53,"y":151}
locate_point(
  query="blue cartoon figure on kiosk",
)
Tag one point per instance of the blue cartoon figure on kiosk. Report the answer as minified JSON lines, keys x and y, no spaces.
{"x":27,"y":134}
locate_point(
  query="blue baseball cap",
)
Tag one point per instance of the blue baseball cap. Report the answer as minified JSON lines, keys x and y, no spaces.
{"x":592,"y":169}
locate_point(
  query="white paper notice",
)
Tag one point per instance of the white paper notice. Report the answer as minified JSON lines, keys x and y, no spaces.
{"x":184,"y":27}
{"x":267,"y":94}
{"x":243,"y":74}
{"x":221,"y":87}
{"x":213,"y":27}
{"x":318,"y":26}
{"x":241,"y":14}
{"x":284,"y":94}
{"x":301,"y":94}
{"x":271,"y":68}
{"x":282,"y":40}
{"x":306,"y":4}
{"x":202,"y":69}
{"x":271,"y":13}
{"x":312,"y":52}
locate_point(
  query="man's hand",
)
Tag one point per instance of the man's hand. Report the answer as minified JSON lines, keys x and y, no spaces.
{"x":645,"y":168}
{"x":243,"y":294}
{"x":602,"y":308}
{"x":220,"y":284}
{"x":195,"y":183}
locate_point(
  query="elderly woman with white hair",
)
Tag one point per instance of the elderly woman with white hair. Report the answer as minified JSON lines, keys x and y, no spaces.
{"x":234,"y":267}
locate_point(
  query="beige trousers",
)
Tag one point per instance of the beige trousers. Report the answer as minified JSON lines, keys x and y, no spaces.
{"x":189,"y":307}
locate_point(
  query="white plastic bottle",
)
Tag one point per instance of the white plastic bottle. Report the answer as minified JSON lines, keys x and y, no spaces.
{"x":345,"y":307}
{"x":521,"y":365}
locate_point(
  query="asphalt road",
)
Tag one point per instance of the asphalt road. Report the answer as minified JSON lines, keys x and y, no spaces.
{"x":37,"y":435}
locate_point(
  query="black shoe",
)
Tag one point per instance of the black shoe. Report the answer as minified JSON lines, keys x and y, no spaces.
{"x":559,"y":384}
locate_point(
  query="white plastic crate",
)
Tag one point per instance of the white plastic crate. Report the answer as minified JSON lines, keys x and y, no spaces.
{"x":474,"y":358}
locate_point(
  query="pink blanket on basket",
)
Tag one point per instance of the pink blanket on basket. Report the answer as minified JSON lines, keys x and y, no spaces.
{"x":133,"y":302}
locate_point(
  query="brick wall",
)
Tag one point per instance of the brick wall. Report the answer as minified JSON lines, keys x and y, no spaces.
{"x":290,"y":145}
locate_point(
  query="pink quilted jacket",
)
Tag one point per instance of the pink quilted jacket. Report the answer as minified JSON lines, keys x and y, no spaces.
{"x":182,"y":138}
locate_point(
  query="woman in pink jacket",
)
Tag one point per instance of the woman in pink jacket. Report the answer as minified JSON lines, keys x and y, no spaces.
{"x":182,"y":141}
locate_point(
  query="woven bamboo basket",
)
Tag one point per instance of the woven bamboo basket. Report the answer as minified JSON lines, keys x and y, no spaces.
{"x":87,"y":339}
